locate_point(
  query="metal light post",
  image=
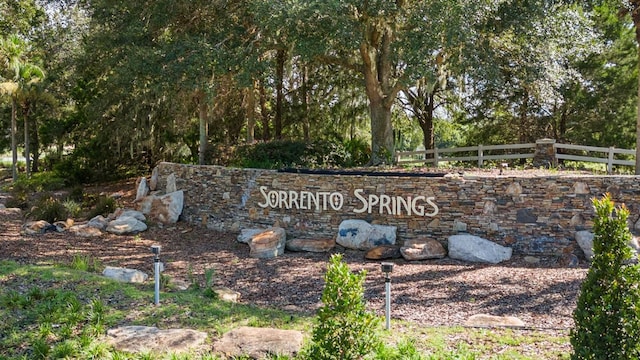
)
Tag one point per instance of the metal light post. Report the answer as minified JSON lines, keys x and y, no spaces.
{"x":156,"y":265}
{"x":387,"y":268}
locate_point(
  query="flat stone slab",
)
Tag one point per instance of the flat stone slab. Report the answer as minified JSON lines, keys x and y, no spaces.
{"x":125,"y":275}
{"x":259,"y":343}
{"x":310,"y":245}
{"x":137,"y":339}
{"x":484,"y":320}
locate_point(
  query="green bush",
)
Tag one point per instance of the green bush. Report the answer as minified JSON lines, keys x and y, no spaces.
{"x":104,"y":205}
{"x":49,"y":209}
{"x":607,"y":316}
{"x":345,"y":329}
{"x":288,"y":153}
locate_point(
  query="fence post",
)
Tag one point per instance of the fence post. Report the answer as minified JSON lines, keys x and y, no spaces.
{"x":610,"y":161}
{"x":480,"y":155}
{"x":545,"y":154}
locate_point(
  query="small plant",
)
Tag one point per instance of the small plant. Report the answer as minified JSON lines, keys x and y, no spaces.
{"x":73,"y":208}
{"x":345,"y":329}
{"x":104,"y":206}
{"x":85,"y":263}
{"x":49,"y":209}
{"x":607,"y":316}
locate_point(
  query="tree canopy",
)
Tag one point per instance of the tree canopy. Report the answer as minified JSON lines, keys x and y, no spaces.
{"x":132,"y":83}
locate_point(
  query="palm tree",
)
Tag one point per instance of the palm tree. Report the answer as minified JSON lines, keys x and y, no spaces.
{"x":23,"y":74}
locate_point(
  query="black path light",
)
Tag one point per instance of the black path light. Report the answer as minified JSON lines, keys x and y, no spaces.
{"x":155,"y":249}
{"x":387,"y":268}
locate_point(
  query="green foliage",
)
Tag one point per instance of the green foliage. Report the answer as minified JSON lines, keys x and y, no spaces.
{"x":86,"y":263}
{"x":290,"y":153}
{"x":607,"y":316}
{"x":49,"y":209}
{"x":104,"y":205}
{"x":345,"y":330}
{"x":73,"y":208}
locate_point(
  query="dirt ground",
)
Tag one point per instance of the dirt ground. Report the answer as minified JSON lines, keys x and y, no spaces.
{"x":430,"y":293}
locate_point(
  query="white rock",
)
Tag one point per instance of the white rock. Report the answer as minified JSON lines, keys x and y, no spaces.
{"x":143,"y":189}
{"x":584,"y":239}
{"x":85,"y":230}
{"x":484,"y":320}
{"x":171,"y":184}
{"x":259,"y":343}
{"x":153,"y":181}
{"x":98,"y":222}
{"x":132,"y":213}
{"x":124,"y":274}
{"x":165,"y":209}
{"x":360,"y":235}
{"x":126,"y":225}
{"x":268,"y":243}
{"x":476,"y":249}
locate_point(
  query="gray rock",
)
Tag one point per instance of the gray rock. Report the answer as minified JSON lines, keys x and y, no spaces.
{"x":246,"y":235}
{"x":171,"y":184}
{"x":584,"y":239}
{"x":310,"y":245}
{"x":153,"y":181}
{"x":360,"y":235}
{"x":85,"y":230}
{"x":259,"y":343}
{"x":143,"y":189}
{"x":423,"y":250}
{"x":124,"y":275}
{"x":476,"y":249}
{"x":268,"y":243}
{"x":126,"y":225}
{"x":165,"y":209}
{"x":137,"y":339}
{"x":98,"y":222}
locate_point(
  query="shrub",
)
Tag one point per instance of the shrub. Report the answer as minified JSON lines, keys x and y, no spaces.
{"x":49,"y":209}
{"x":607,"y":316}
{"x":104,"y":206}
{"x":344,"y":329}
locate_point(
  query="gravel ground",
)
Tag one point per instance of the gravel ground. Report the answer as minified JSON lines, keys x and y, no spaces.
{"x":430,"y":293}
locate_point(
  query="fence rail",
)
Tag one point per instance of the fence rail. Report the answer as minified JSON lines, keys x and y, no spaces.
{"x":482,"y":153}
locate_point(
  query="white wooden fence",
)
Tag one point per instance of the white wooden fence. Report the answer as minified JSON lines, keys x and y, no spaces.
{"x":524,"y":151}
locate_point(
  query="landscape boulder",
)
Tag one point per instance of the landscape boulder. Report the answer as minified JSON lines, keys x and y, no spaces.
{"x":153,"y":180}
{"x":126,"y":225}
{"x":360,"y":235}
{"x":310,"y":245}
{"x":484,"y":320}
{"x":226,"y":294}
{"x":584,"y":239}
{"x":125,"y":275}
{"x":143,"y":189}
{"x":165,"y":209}
{"x":259,"y":343}
{"x":136,"y":339}
{"x":98,"y":222}
{"x":37,"y":227}
{"x":85,"y":230}
{"x":383,"y":252}
{"x":476,"y":249}
{"x":268,"y":243}
{"x":246,"y":235}
{"x":423,"y":250}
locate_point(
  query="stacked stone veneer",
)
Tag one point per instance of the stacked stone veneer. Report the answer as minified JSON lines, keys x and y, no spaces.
{"x":533,"y":215}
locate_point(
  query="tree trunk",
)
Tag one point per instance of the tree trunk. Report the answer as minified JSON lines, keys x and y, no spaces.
{"x":377,"y":69}
{"x":203,"y":128}
{"x":264,"y":111}
{"x":251,"y":113}
{"x":382,"y":149}
{"x":280,"y":58}
{"x":306,"y":125}
{"x":14,"y":142}
{"x":27,"y":155}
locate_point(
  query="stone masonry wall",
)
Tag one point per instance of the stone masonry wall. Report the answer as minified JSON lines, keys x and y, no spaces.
{"x":533,"y":215}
